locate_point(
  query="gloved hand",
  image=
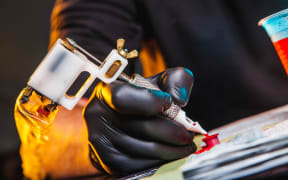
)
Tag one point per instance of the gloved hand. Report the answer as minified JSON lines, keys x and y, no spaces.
{"x":127,"y":134}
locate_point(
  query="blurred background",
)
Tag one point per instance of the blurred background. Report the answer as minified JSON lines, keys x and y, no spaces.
{"x":24,"y":37}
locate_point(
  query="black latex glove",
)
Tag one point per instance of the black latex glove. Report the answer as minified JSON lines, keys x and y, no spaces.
{"x":126,"y":132}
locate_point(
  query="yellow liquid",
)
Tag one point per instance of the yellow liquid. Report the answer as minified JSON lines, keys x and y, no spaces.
{"x":52,"y":146}
{"x":33,"y":127}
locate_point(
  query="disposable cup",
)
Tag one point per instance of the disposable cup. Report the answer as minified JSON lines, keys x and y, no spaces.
{"x":276,"y":26}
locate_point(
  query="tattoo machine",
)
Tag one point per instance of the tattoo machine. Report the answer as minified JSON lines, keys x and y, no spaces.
{"x":64,"y":63}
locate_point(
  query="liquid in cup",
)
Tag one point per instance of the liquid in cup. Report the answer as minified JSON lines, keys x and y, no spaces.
{"x":276,"y":27}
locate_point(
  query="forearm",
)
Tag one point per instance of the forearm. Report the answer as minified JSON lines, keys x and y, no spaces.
{"x":96,"y":25}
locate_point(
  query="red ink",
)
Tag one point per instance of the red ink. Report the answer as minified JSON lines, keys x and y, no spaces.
{"x":281,"y":47}
{"x":203,"y":150}
{"x":210,"y":142}
{"x":43,"y":111}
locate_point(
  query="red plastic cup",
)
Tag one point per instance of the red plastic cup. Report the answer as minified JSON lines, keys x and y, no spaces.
{"x":276,"y":27}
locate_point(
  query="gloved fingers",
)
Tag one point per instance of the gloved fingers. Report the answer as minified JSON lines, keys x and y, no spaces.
{"x":148,"y":149}
{"x":107,"y":156}
{"x":153,"y":128}
{"x":116,"y":162}
{"x":117,"y":149}
{"x":178,"y":82}
{"x":129,"y":99}
{"x":136,"y":146}
{"x":122,"y":152}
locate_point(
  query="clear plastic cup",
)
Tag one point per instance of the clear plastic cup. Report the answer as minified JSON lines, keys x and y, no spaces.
{"x":276,"y":26}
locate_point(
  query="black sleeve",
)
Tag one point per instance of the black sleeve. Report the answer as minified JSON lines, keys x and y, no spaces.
{"x":97,"y":24}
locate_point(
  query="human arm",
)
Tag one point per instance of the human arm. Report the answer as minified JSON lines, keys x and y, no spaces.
{"x":97,"y":24}
{"x":97,"y":34}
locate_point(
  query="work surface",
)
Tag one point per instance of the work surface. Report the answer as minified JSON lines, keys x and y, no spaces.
{"x":242,"y":130}
{"x":254,"y":149}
